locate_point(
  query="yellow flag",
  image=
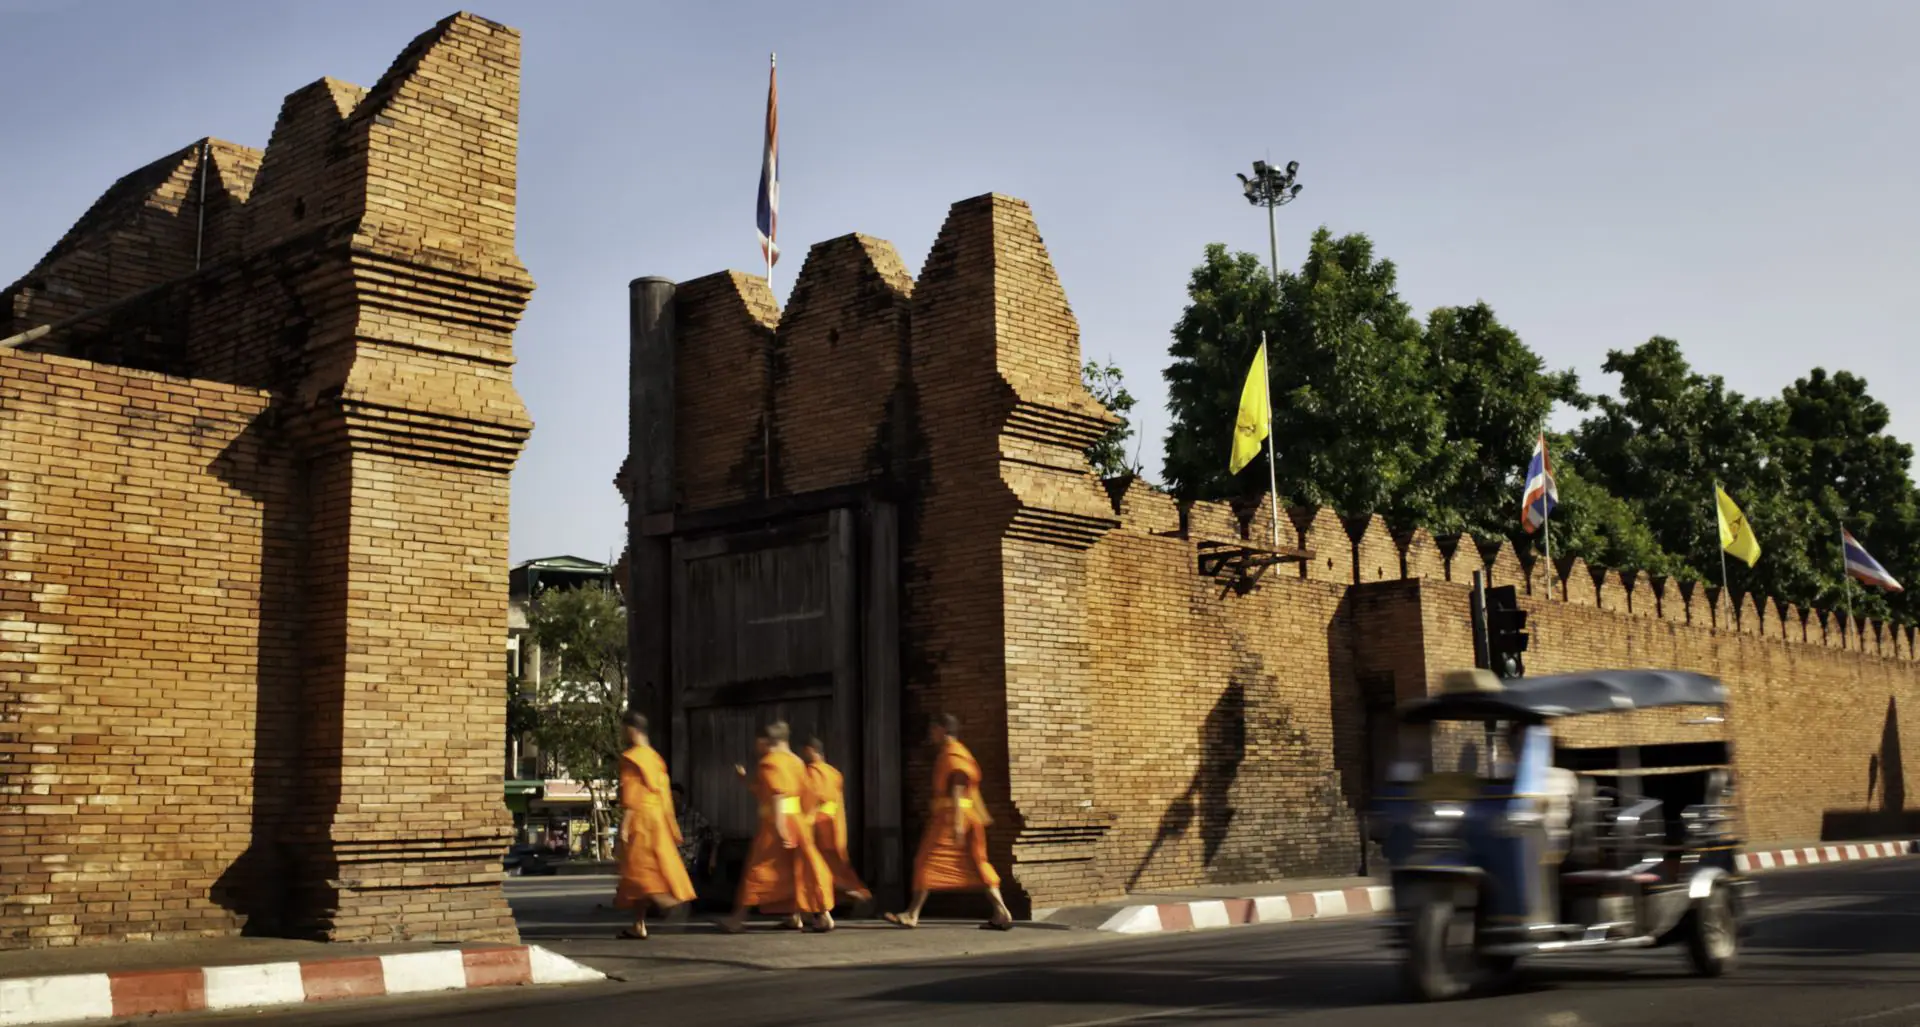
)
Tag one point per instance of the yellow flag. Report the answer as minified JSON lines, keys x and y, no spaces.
{"x":1736,"y":535}
{"x":1250,"y":428}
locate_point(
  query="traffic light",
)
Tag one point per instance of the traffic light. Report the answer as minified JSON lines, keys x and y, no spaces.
{"x":1506,"y":632}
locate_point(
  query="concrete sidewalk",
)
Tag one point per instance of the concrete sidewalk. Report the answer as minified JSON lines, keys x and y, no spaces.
{"x":69,"y":985}
{"x":1290,"y":901}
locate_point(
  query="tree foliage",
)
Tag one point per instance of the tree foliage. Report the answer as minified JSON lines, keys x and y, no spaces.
{"x":1109,"y":455}
{"x":1355,"y":426}
{"x":582,"y":635}
{"x":1496,"y":394}
{"x":1434,"y":424}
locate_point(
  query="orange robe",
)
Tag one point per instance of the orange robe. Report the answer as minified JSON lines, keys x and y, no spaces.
{"x":944,"y":864}
{"x":826,"y":801}
{"x":650,"y":847}
{"x":778,"y":879}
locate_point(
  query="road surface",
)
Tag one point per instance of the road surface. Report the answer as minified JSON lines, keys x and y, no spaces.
{"x":1832,"y":946}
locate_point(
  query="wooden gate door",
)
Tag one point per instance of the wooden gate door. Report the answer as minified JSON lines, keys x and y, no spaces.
{"x":776,"y":623}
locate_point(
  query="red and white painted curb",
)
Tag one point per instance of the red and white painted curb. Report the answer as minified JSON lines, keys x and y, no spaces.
{"x":1266,"y":909}
{"x":1370,"y":899}
{"x":1752,"y":861}
{"x":75,"y":997}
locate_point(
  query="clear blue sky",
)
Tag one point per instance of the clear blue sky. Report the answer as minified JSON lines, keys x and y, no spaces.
{"x":1737,"y":175}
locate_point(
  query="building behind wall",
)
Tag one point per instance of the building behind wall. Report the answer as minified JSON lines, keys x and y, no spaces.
{"x":253,"y":538}
{"x":874,"y":505}
{"x":546,"y":803}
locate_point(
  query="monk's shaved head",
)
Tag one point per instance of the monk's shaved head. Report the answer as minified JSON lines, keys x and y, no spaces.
{"x":776,"y":732}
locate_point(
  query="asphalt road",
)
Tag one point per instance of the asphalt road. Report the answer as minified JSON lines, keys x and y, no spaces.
{"x":1831,"y":946}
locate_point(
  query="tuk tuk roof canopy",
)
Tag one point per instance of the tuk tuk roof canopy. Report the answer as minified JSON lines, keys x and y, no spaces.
{"x":1567,"y":695}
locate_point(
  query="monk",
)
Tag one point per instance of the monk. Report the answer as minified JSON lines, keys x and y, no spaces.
{"x":953,"y":851}
{"x":651,"y":873}
{"x":825,"y":801}
{"x":784,"y":871}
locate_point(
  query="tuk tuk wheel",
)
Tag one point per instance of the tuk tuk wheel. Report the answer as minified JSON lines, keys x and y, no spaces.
{"x":1713,"y":942}
{"x":1441,"y":961}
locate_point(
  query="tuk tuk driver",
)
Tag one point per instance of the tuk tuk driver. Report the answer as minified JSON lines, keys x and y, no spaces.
{"x":1558,"y":787}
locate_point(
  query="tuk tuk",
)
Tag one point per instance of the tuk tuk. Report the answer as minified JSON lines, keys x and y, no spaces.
{"x":1528,"y":848}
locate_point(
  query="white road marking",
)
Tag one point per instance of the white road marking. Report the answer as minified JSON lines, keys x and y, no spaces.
{"x":1881,"y":1015}
{"x":1158,"y":1014}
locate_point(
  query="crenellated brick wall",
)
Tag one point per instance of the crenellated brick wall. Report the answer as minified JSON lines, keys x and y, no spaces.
{"x":254,"y":535}
{"x":1144,"y":726}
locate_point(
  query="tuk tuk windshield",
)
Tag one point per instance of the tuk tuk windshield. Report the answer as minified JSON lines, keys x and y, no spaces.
{"x":1486,"y":751}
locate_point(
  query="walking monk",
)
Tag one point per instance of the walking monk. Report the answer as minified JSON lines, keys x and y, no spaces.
{"x":651,"y":872}
{"x":784,"y":872}
{"x":826,"y":801}
{"x":953,"y":851}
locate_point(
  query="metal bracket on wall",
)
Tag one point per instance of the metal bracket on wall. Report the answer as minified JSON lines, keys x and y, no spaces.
{"x":1242,"y":565}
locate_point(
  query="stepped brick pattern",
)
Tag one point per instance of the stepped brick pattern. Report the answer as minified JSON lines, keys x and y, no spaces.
{"x":253,"y":548}
{"x":1146,"y":727}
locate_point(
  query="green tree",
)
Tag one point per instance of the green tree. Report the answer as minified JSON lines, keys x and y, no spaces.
{"x":1601,"y":528}
{"x":1356,"y":423}
{"x":1669,"y":437}
{"x":582,"y":635}
{"x":1496,"y":393}
{"x":1109,"y":455}
{"x":1835,"y":455}
{"x":1230,"y":299}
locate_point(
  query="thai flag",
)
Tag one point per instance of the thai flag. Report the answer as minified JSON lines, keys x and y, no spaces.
{"x":769,"y":216}
{"x":1541,"y":496}
{"x":1865,"y":569}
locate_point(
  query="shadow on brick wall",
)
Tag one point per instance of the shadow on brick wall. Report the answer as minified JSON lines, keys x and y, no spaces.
{"x":1208,"y":798}
{"x":255,"y":887}
{"x":1885,"y":814}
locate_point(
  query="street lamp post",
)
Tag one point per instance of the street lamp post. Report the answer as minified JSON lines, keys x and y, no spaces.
{"x":1270,"y":187}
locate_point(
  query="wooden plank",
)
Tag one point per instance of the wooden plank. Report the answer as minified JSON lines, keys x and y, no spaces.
{"x":701,"y":546}
{"x":766,"y":690}
{"x":882,"y":801}
{"x":843,"y":622}
{"x":650,"y":446}
{"x":778,"y":508}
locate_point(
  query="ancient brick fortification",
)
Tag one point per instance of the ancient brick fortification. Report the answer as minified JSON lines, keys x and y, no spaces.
{"x":253,"y":507}
{"x":1142,"y":725}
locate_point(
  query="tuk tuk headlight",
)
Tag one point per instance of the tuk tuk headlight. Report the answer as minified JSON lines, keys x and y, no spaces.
{"x":1443,"y":819}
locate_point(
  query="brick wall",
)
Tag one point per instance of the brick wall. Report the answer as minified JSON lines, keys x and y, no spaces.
{"x":346,"y":334}
{"x":1143,"y":726}
{"x":142,"y":665}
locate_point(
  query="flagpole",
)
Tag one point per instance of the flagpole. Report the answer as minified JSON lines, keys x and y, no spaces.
{"x":1546,"y":519}
{"x":1273,"y":475}
{"x":1846,"y":589}
{"x":1716,"y":536}
{"x":1547,"y":528}
{"x":772,"y":64}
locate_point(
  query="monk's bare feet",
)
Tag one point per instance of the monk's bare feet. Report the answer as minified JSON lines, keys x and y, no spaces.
{"x":732,"y":924}
{"x":794,"y":923}
{"x":823,"y":923}
{"x":901,"y":919}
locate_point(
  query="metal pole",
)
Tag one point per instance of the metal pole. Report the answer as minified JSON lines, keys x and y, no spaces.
{"x":1477,"y":613}
{"x":1548,"y":529}
{"x":1273,"y":251}
{"x":1846,"y":580}
{"x":1273,"y":475}
{"x":1719,"y":542}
